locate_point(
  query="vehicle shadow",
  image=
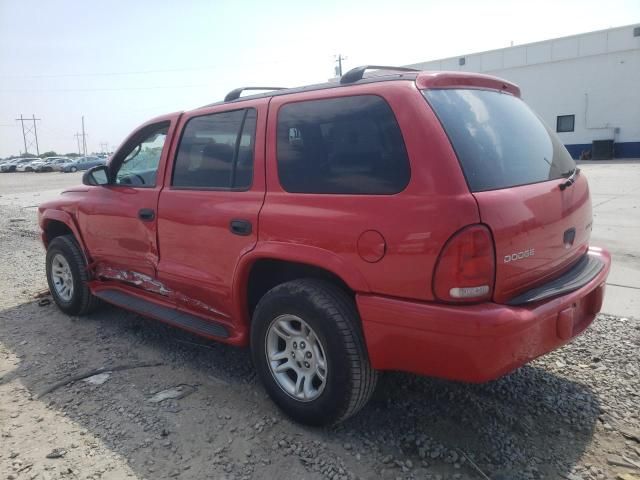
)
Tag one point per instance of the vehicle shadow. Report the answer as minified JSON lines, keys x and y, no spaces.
{"x":529,"y":424}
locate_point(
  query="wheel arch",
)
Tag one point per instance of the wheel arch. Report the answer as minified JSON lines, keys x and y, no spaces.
{"x":269,"y":265}
{"x":54,"y":223}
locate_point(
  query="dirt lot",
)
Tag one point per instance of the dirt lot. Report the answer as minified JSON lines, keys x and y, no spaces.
{"x":573,"y":414}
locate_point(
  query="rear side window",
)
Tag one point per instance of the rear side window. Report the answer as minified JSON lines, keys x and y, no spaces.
{"x":216,"y":152}
{"x":348,"y":145}
{"x":499,"y":141}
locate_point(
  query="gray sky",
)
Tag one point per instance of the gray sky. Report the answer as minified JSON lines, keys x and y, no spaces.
{"x":119,"y":63}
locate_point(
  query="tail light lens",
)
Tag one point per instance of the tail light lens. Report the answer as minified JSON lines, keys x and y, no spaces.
{"x":465,"y":271}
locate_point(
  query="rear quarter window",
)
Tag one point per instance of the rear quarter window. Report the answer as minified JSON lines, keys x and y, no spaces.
{"x":346,"y":145}
{"x":499,"y":141}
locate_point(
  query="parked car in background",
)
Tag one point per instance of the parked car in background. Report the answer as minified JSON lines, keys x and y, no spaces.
{"x":29,"y":167}
{"x":49,"y":164}
{"x":4,"y":166}
{"x":25,"y":165}
{"x":9,"y":166}
{"x":82,"y":163}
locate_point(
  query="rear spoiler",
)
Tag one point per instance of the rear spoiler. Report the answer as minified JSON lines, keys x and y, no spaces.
{"x":464,"y":79}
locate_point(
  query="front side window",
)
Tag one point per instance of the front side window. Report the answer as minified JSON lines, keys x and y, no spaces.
{"x":140,"y":165}
{"x":216,"y":152}
{"x":346,"y":145}
{"x":499,"y":141}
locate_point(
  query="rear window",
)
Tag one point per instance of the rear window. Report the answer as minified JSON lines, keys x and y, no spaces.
{"x":346,"y":145}
{"x":499,"y":141}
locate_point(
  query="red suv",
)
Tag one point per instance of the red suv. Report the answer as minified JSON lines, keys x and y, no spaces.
{"x":419,"y":221}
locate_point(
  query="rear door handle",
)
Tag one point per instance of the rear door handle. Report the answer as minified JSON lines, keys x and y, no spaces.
{"x":240,"y":227}
{"x":146,"y":214}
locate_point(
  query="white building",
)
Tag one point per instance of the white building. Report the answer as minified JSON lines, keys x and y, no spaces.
{"x":585,"y":86}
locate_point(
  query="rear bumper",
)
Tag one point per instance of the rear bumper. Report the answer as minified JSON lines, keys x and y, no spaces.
{"x":475,"y":343}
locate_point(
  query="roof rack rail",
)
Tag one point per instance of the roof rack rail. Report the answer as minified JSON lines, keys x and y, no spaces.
{"x":357,"y":73}
{"x":235,"y":94}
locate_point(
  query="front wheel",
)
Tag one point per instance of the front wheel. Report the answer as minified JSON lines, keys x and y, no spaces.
{"x":73,"y":169}
{"x":67,"y":277}
{"x":309,"y":352}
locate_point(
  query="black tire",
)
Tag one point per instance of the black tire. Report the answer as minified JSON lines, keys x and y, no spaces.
{"x":82,"y":301}
{"x":73,"y":169}
{"x":350,"y":379}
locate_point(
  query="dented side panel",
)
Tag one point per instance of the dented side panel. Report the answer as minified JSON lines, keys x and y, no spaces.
{"x":199,"y":250}
{"x":151,"y":285}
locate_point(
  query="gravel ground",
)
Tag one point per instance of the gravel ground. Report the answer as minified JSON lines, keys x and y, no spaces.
{"x":573,"y":414}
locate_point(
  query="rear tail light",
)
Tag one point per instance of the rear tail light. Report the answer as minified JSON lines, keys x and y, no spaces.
{"x":465,"y":271}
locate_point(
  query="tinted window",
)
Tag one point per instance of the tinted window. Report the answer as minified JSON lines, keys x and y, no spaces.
{"x":499,"y":141}
{"x":341,"y":145}
{"x":216,"y":151}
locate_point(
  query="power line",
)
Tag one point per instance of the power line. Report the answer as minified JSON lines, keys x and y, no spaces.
{"x":31,"y":90}
{"x":110,"y":74}
{"x":134,"y":72}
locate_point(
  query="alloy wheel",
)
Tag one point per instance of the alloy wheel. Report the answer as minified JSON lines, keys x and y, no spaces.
{"x":296,"y":358}
{"x":62,"y":277}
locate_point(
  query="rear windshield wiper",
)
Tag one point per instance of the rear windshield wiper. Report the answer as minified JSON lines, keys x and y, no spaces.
{"x":572,"y":174}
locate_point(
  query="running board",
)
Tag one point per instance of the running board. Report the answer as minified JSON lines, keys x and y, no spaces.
{"x":166,"y":314}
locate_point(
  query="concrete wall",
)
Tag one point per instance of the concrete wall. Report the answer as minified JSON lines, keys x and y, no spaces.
{"x":594,"y":76}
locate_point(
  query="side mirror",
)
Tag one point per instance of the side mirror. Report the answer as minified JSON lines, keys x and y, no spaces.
{"x":98,"y":175}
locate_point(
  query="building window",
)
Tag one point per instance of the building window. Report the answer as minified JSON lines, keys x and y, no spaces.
{"x":565,"y":123}
{"x":462,"y":61}
{"x":636,"y":32}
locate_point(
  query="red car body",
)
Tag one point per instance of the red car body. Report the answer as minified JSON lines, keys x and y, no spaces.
{"x":383,"y":249}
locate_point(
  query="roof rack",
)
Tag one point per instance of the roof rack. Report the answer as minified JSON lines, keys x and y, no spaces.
{"x":235,"y":94}
{"x":357,"y":73}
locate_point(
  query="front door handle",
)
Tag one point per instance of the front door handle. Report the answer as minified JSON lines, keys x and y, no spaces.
{"x":146,"y":214}
{"x":240,"y":227}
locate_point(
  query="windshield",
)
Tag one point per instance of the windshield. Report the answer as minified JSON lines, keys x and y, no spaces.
{"x":499,"y":141}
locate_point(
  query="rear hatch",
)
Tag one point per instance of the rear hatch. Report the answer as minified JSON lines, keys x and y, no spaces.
{"x":515,"y":166}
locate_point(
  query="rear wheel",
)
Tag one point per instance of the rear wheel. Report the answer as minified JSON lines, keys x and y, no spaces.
{"x":67,"y":277}
{"x":309,"y":352}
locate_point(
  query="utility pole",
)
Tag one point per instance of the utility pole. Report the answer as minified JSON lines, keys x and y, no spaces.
{"x":77,"y":135}
{"x":35,"y":132}
{"x":27,"y":131}
{"x":339,"y":58}
{"x":84,"y":139}
{"x":24,"y":137}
